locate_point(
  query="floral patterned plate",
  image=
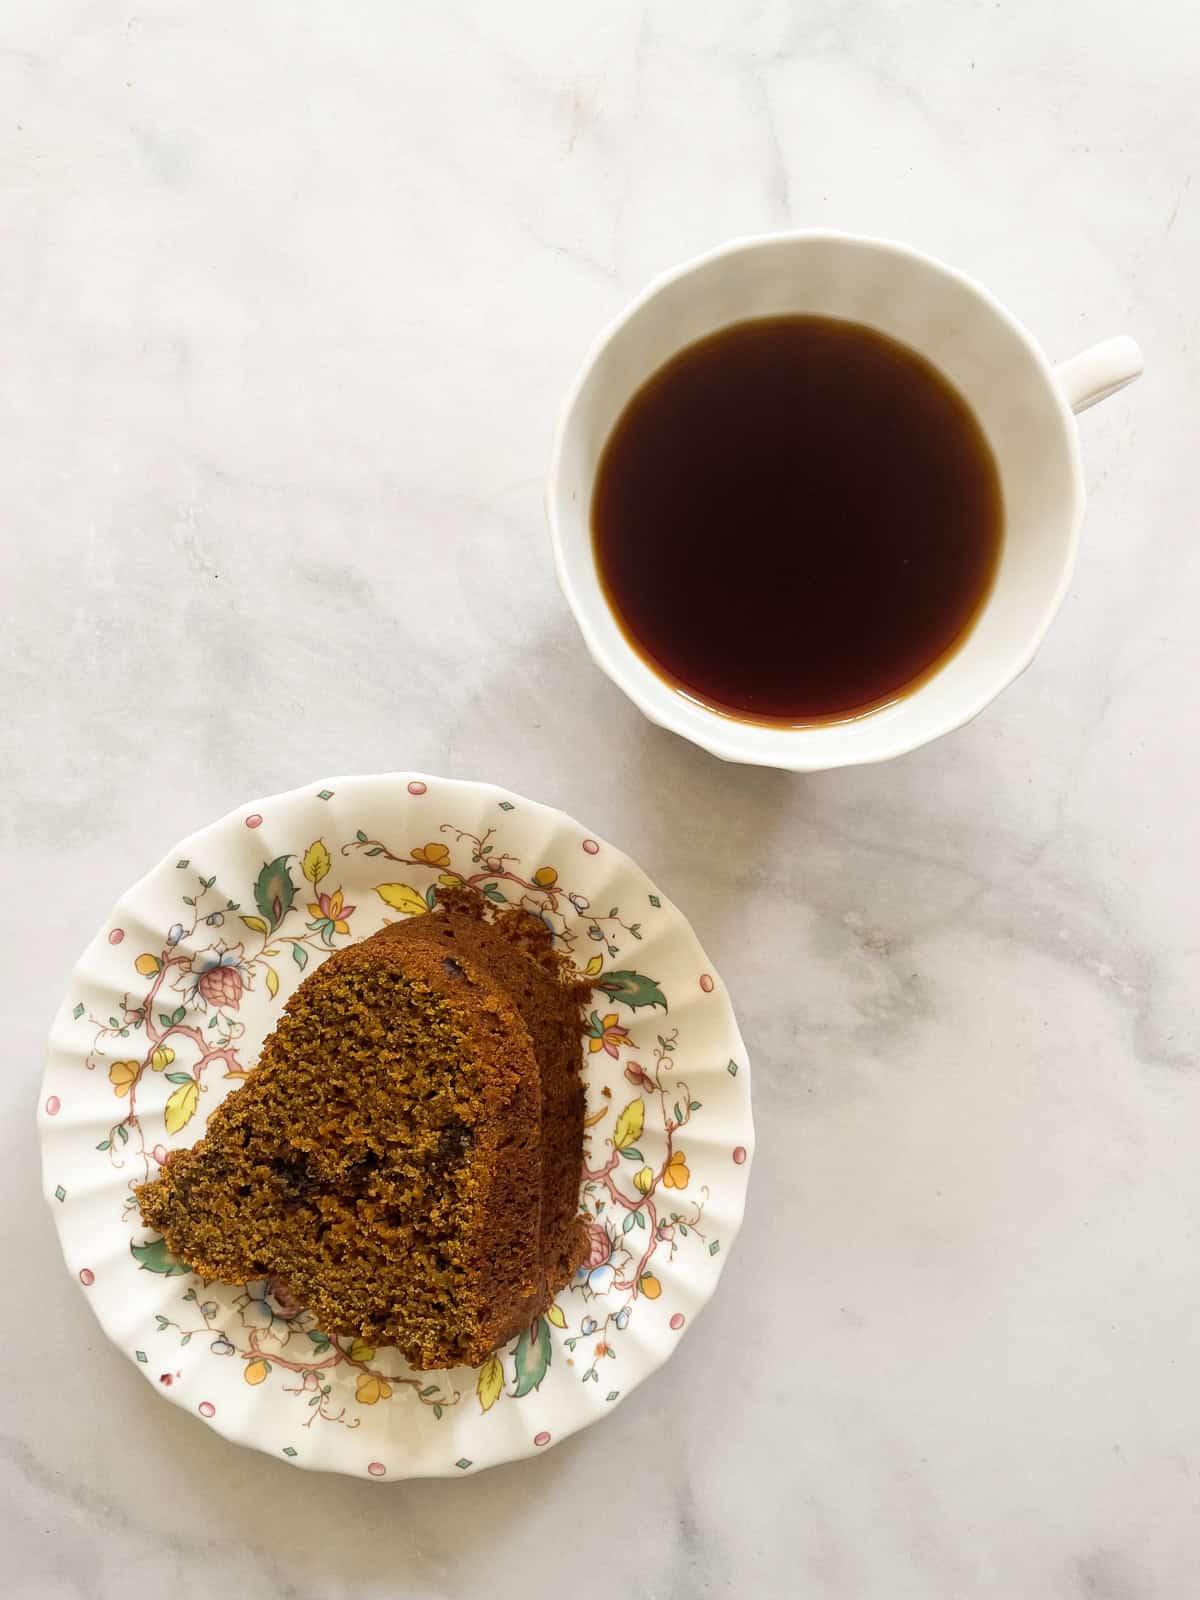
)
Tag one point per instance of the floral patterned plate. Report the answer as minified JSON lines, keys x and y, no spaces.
{"x":166,"y":1013}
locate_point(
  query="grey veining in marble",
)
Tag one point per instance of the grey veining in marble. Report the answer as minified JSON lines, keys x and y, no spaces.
{"x":288,"y":298}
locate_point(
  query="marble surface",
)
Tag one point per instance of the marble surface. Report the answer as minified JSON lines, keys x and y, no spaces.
{"x":289,"y":296}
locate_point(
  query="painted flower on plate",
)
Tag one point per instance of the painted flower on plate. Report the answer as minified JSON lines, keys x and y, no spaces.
{"x":597,"y":1272}
{"x":281,"y":1299}
{"x":606,"y":1034}
{"x":217,"y":976}
{"x":329,"y":913}
{"x":263,"y":1308}
{"x":676,"y":1172}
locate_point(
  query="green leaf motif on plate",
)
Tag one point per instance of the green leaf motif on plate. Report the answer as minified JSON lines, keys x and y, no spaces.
{"x":155,"y":1257}
{"x":632,"y":989}
{"x":274,"y":891}
{"x":532,"y":1356}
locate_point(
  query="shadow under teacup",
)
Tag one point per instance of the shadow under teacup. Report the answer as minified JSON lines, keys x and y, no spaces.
{"x":1022,"y":404}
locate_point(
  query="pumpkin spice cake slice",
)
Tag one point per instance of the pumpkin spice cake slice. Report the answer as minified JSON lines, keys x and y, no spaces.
{"x":406,"y":1157}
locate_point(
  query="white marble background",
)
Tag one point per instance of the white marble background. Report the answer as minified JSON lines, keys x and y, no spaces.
{"x":289,"y":292}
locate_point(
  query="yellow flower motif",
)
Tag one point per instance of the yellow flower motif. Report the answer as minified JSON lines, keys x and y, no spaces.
{"x":255,"y":1371}
{"x":371,"y":1389}
{"x":643,"y":1180}
{"x":545,"y":877}
{"x":607,"y":1035}
{"x":360,"y":1350}
{"x":676,"y":1174}
{"x":650,"y":1286}
{"x":329,"y":909}
{"x":149,"y":966}
{"x":162,"y":1058}
{"x":433,"y":855}
{"x":122,"y":1075}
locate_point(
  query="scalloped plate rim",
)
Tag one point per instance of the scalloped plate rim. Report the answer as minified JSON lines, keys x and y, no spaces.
{"x":225,"y":1426}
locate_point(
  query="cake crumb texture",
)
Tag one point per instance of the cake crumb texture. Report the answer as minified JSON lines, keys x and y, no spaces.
{"x":405,"y":1159}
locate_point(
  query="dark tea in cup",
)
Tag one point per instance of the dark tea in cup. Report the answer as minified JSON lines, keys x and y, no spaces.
{"x":796,"y":520}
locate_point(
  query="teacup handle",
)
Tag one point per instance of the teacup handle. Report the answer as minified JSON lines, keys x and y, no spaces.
{"x":1096,"y":373}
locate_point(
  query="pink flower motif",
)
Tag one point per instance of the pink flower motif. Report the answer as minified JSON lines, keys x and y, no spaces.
{"x":599,"y":1244}
{"x":607,"y":1034}
{"x":215,"y":977}
{"x":597,"y":1272}
{"x":222,"y":986}
{"x":329,"y":914}
{"x":283,"y":1301}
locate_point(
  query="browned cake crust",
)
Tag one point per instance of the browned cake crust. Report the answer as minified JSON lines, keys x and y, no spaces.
{"x":406,"y":1157}
{"x":515,"y":953}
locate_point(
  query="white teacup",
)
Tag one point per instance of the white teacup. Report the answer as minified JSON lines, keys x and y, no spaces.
{"x":1023,"y":404}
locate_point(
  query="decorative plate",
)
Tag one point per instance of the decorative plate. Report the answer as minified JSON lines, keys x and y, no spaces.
{"x":166,"y":1013}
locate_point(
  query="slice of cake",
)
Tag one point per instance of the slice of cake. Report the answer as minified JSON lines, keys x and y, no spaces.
{"x":405,"y":1160}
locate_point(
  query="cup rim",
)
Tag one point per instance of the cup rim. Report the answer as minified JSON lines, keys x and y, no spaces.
{"x":758,"y":744}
